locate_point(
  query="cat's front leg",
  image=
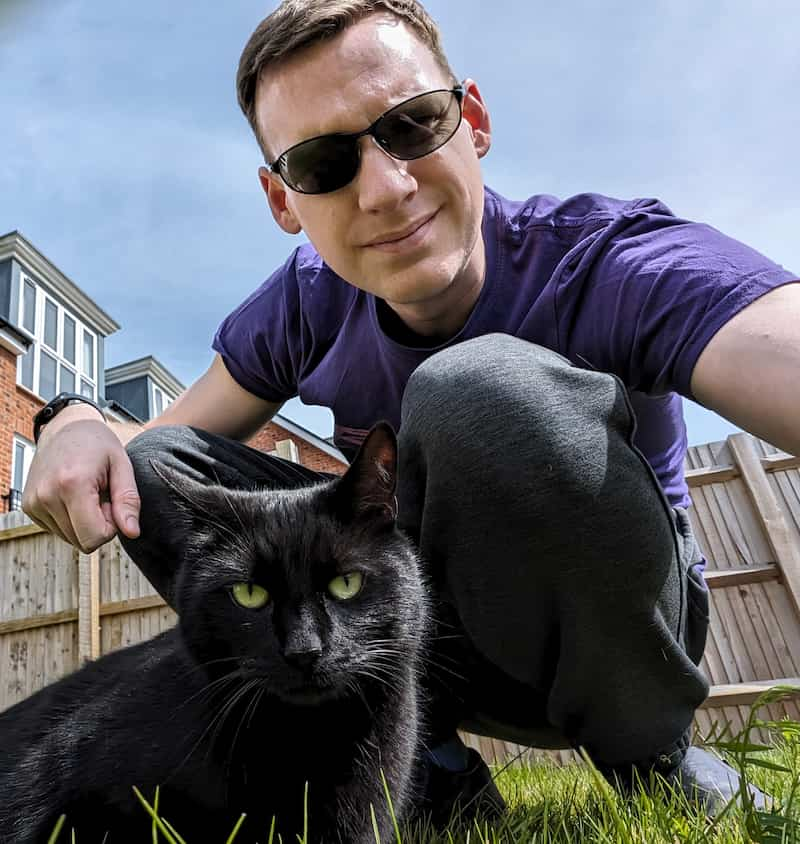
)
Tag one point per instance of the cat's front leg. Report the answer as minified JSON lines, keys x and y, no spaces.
{"x":347,"y":816}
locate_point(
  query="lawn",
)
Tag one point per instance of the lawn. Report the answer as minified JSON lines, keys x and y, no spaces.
{"x":553,"y":805}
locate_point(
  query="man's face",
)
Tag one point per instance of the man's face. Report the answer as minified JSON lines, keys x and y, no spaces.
{"x":343,"y":85}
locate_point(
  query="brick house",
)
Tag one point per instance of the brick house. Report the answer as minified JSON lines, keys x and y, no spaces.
{"x":52,"y":339}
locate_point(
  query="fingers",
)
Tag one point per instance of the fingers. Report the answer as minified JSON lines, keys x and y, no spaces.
{"x":59,"y":517}
{"x":92,"y":527}
{"x":81,"y":485}
{"x":44,"y":522}
{"x":71,"y":510}
{"x":125,"y":502}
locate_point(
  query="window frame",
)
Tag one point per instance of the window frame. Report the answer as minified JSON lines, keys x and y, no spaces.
{"x":29,"y":449}
{"x":39,"y":346}
{"x":166,"y":401}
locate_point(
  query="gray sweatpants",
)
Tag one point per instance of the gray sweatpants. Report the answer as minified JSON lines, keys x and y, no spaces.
{"x":569,"y":610}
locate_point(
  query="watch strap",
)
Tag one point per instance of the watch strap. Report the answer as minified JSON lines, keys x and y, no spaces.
{"x":55,"y":406}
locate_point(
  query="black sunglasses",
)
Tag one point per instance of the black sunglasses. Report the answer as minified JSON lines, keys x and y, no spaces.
{"x":409,"y":130}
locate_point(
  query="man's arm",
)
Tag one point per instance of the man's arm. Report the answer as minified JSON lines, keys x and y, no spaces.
{"x":81,"y":485}
{"x":750,"y":370}
{"x":215,"y":403}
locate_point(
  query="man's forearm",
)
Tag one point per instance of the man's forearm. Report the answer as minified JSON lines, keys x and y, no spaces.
{"x":125,"y":431}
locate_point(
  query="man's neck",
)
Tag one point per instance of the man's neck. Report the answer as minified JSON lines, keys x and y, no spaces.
{"x":443,"y":317}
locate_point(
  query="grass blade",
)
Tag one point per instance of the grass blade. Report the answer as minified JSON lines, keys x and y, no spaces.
{"x":162,"y":827}
{"x":375,"y":829}
{"x":236,"y":829}
{"x":57,"y":831}
{"x":154,"y":829}
{"x":391,"y":808}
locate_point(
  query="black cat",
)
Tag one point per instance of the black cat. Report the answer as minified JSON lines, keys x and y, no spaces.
{"x":295,"y":660}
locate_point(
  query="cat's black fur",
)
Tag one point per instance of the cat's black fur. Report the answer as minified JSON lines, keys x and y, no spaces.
{"x":235,"y":710}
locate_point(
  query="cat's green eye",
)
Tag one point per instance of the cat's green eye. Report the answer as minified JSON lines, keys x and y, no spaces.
{"x":345,"y":586}
{"x":249,"y":596}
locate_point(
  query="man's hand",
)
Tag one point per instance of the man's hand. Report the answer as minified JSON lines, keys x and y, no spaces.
{"x":81,"y":485}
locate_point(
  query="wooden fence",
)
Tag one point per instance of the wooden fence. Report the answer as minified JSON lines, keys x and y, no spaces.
{"x":59,"y":608}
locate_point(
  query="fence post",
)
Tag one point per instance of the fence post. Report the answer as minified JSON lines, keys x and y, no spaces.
{"x":88,"y":606}
{"x":787,"y":555}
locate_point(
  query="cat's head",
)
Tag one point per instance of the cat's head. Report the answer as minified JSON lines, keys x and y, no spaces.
{"x":314,"y":590}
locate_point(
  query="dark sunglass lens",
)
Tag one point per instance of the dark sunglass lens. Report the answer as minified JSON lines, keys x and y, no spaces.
{"x":321,"y":165}
{"x":419,"y":126}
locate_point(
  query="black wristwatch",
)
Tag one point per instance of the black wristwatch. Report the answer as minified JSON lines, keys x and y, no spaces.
{"x":55,"y":406}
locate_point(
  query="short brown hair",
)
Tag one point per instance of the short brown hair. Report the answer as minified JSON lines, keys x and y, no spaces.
{"x":297,"y":24}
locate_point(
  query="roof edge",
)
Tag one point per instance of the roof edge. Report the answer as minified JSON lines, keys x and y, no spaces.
{"x":144,"y":367}
{"x":310,"y":437}
{"x":15,"y":245}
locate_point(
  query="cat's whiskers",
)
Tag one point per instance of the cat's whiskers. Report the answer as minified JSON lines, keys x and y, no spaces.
{"x":261,"y":692}
{"x":376,"y":655}
{"x":428,"y":660}
{"x":224,"y":706}
{"x":258,"y":685}
{"x":353,"y":686}
{"x":228,"y":708}
{"x":213,"y":685}
{"x":390,"y":681}
{"x":201,"y":665}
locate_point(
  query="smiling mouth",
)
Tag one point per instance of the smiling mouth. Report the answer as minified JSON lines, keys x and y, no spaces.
{"x":411,"y":238}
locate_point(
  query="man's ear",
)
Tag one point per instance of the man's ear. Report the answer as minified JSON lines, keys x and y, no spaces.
{"x":476,"y":114}
{"x":277,"y":198}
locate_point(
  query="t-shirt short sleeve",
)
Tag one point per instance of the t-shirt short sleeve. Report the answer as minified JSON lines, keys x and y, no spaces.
{"x":260,"y":342}
{"x":643,"y":294}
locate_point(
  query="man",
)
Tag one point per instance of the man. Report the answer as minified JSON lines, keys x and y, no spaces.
{"x":541,"y":432}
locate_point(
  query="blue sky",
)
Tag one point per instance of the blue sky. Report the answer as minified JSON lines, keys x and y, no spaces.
{"x":124,"y":157}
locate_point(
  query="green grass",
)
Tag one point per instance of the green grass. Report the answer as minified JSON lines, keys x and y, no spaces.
{"x":553,"y":805}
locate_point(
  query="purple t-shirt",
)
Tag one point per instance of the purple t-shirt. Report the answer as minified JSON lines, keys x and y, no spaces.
{"x":617,"y":286}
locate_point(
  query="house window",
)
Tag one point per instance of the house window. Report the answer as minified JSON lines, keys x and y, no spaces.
{"x":29,"y":306}
{"x":159,"y":396}
{"x":21,"y":463}
{"x":56,"y":361}
{"x":161,"y":401}
{"x":26,"y":368}
{"x":69,"y":339}
{"x":67,"y":380}
{"x":88,"y":354}
{"x":47,"y":376}
{"x":51,"y":324}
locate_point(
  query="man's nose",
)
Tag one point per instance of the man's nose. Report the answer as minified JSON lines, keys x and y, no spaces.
{"x":383,"y":182}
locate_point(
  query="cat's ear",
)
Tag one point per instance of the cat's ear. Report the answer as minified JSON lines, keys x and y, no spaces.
{"x":367,"y":488}
{"x":192,"y":498}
